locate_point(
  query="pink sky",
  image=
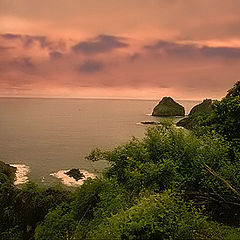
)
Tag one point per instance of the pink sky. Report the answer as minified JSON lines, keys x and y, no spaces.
{"x":187,"y":49}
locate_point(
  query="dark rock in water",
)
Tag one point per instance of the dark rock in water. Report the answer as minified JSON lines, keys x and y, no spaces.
{"x":167,"y":107}
{"x":8,"y":170}
{"x":203,"y":108}
{"x":75,"y":173}
{"x":149,"y":123}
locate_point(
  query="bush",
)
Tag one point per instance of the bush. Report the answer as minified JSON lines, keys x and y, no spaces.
{"x":158,"y":216}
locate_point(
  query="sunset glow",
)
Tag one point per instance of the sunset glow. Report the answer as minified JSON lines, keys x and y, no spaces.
{"x":119,"y":49}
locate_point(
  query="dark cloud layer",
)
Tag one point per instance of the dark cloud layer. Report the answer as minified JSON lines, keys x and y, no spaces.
{"x":226,"y":52}
{"x":24,"y":64}
{"x":193,"y":50}
{"x":3,"y":48}
{"x":102,"y":43}
{"x":29,"y":40}
{"x":91,"y":66}
{"x":11,"y":36}
{"x":55,"y":55}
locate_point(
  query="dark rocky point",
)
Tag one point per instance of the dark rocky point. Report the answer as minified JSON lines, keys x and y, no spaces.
{"x":75,"y":173}
{"x":200,"y":109}
{"x":8,"y":170}
{"x":149,"y":123}
{"x":204,"y":107}
{"x":167,"y":107}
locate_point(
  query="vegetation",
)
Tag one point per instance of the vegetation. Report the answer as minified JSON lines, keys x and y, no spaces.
{"x":172,"y":184}
{"x":22,"y":209}
{"x":223,"y":118}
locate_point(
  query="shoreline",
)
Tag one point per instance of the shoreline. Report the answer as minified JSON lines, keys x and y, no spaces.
{"x":22,"y":171}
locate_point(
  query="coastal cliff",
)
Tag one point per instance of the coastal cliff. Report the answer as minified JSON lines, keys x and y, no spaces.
{"x":203,"y":108}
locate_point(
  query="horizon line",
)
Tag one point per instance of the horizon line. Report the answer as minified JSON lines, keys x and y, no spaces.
{"x":94,"y":98}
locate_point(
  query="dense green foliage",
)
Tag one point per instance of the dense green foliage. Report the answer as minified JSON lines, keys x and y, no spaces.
{"x":225,"y":118}
{"x":172,"y":184}
{"x":160,"y":216}
{"x":22,"y":209}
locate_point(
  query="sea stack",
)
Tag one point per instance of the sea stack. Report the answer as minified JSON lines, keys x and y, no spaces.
{"x":167,"y":107}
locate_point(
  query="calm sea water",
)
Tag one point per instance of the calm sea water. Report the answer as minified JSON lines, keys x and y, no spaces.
{"x":53,"y":134}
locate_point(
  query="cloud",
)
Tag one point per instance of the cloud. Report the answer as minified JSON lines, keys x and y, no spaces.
{"x":42,"y":40}
{"x":134,"y":57}
{"x":192,"y":50}
{"x":4,"y":48}
{"x":30,"y":40}
{"x":226,"y":52}
{"x":22,"y":64}
{"x":91,"y":66}
{"x":55,"y":54}
{"x":172,"y":48}
{"x":11,"y":36}
{"x":166,"y":67}
{"x":25,"y":62}
{"x":102,"y":43}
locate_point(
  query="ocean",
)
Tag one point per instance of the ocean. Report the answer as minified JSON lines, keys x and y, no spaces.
{"x":45,"y":136}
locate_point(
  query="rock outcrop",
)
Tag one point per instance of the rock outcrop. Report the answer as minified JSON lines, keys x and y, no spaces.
{"x":75,"y":173}
{"x":167,"y":107}
{"x":150,"y":123}
{"x":8,"y":170}
{"x":203,"y":108}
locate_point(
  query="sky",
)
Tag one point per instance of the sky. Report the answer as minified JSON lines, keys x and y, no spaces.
{"x":146,"y":49}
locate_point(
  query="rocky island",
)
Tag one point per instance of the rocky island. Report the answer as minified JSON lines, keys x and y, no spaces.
{"x":196,"y":111}
{"x":167,"y":107}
